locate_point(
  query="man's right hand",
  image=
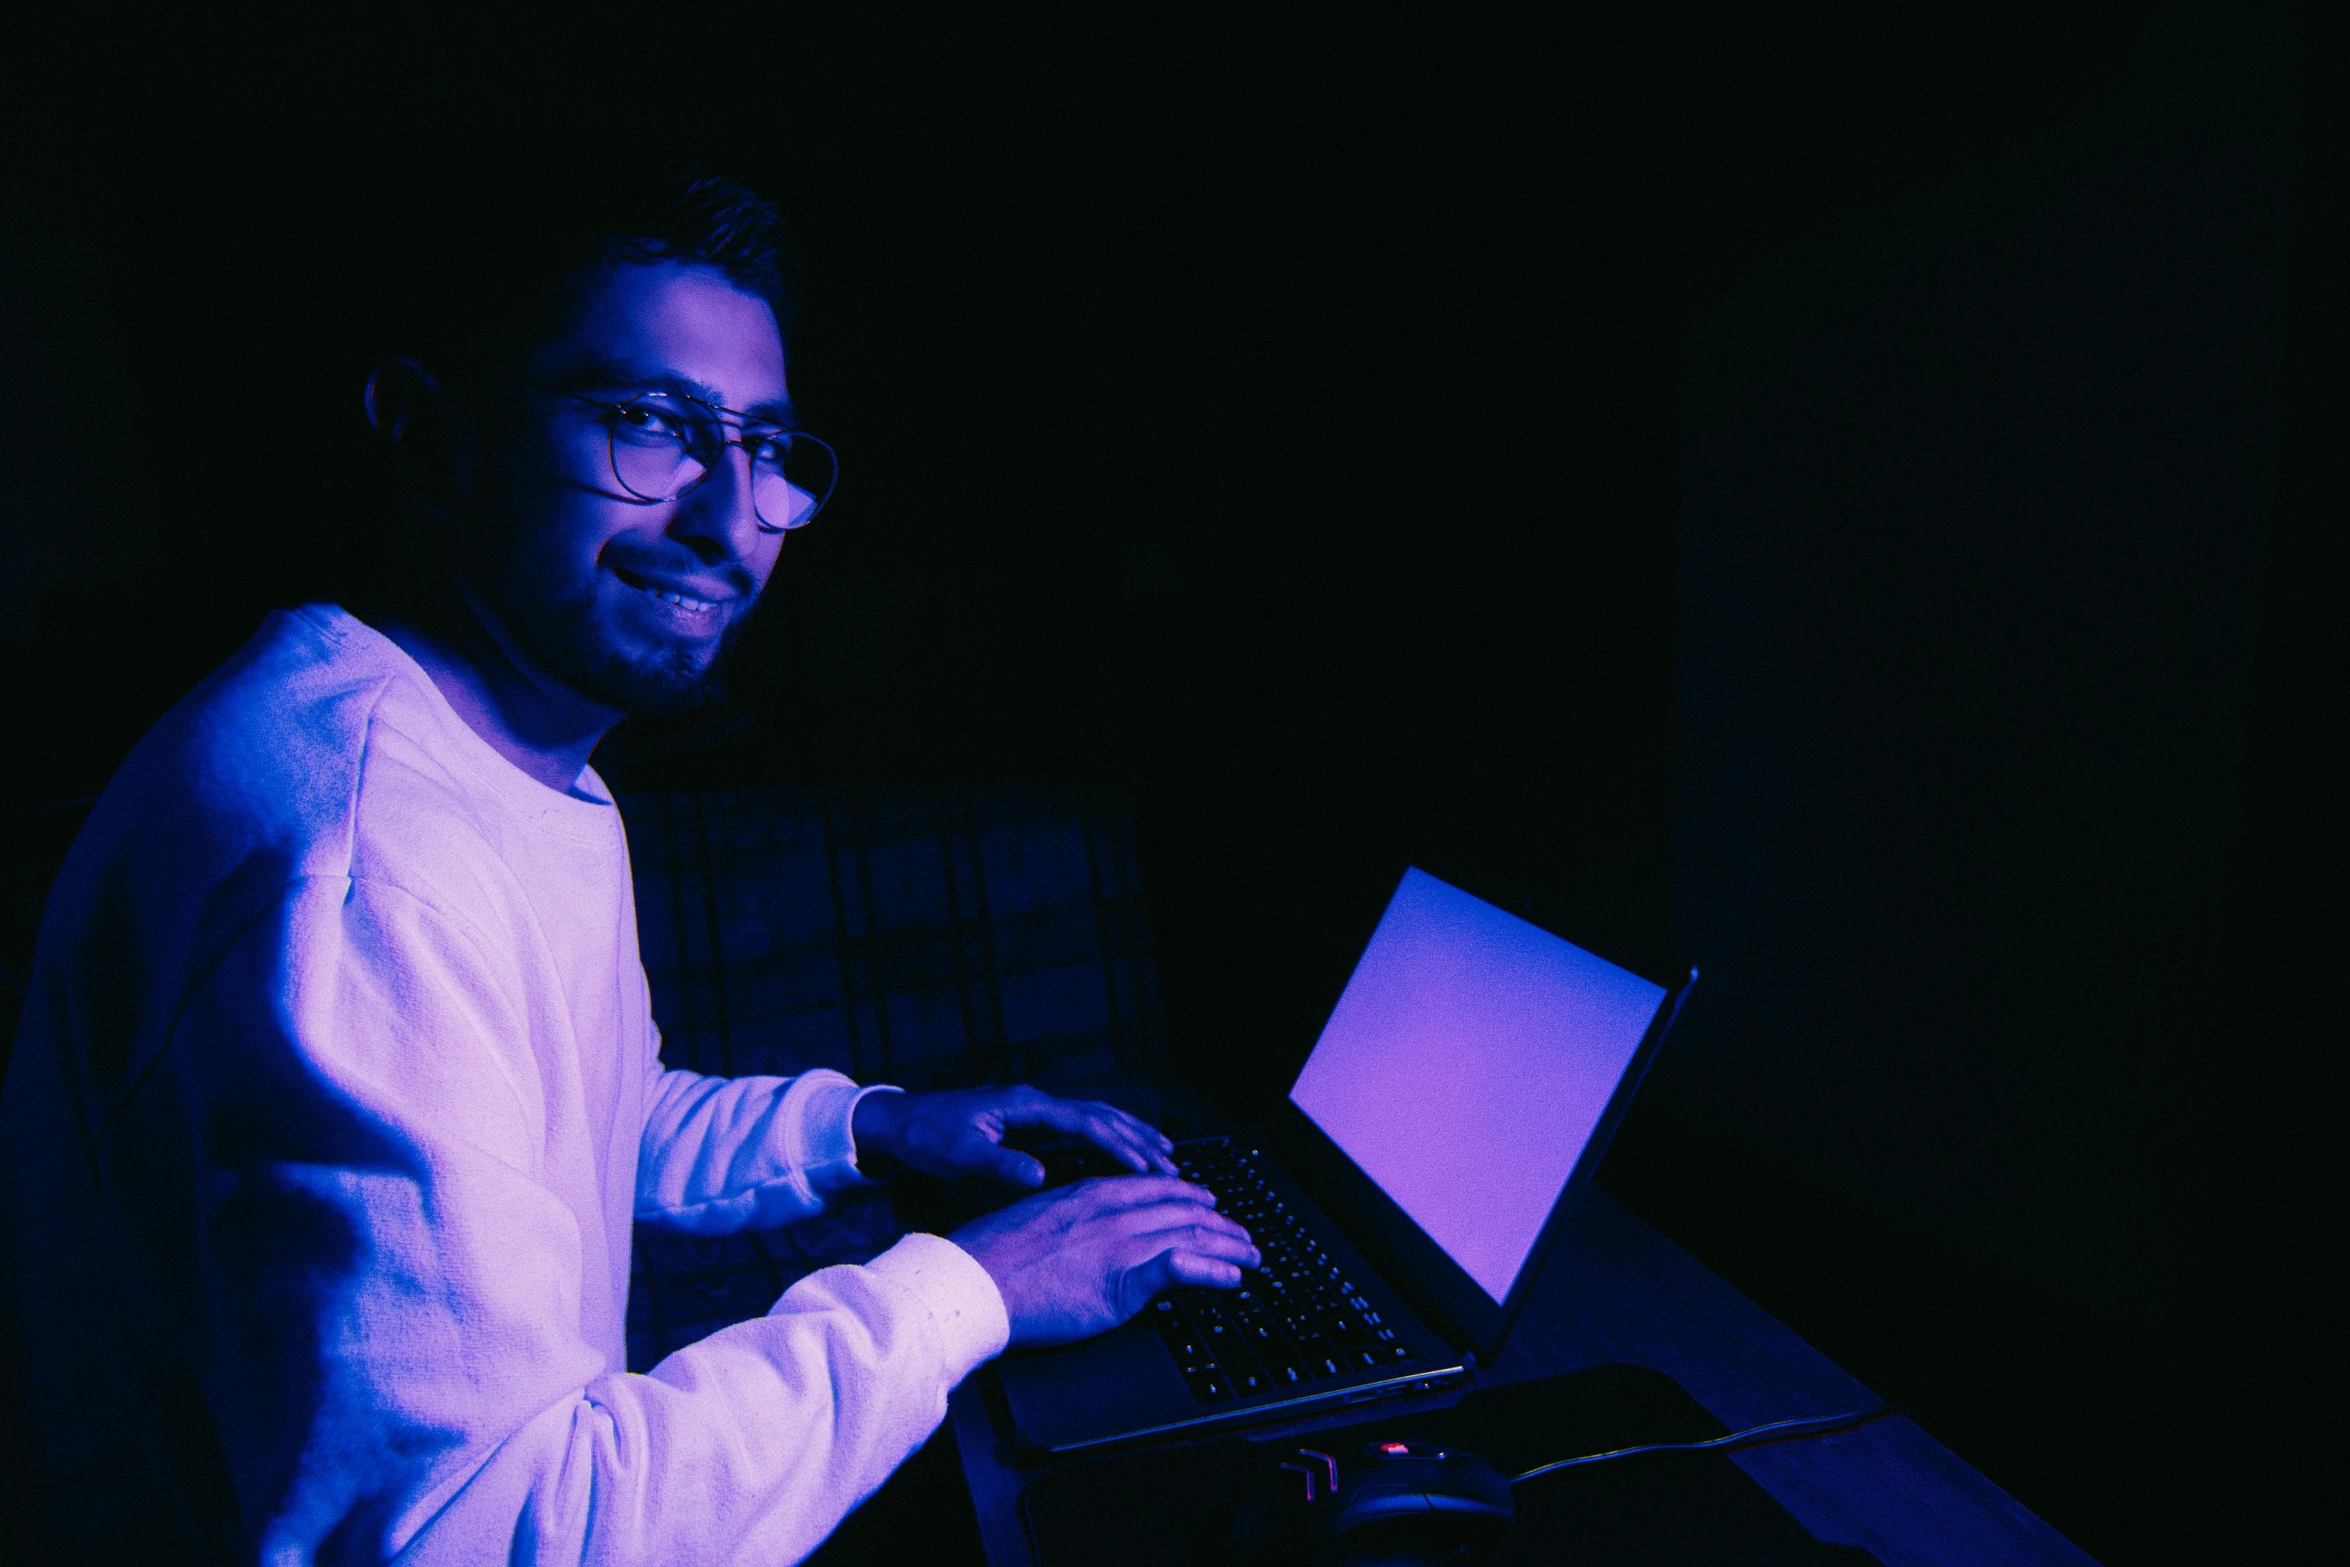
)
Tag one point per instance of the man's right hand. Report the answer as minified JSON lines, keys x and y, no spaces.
{"x":1079,"y":1261}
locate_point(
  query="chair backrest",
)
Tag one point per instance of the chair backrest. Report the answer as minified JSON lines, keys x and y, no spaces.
{"x":932,"y":937}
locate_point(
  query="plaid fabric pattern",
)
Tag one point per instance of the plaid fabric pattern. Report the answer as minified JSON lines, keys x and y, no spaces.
{"x":930,"y":938}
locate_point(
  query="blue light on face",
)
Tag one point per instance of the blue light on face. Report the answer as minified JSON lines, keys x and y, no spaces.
{"x":1467,"y":1065}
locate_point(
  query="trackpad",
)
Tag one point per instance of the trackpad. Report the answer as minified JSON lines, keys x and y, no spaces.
{"x":1123,"y":1381}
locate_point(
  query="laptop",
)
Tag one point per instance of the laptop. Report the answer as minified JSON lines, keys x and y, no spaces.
{"x":1455,"y":1104}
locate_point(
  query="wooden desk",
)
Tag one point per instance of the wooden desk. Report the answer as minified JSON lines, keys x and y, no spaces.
{"x":1614,"y":1290}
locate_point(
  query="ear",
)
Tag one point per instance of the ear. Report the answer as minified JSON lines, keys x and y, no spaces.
{"x":424,"y":427}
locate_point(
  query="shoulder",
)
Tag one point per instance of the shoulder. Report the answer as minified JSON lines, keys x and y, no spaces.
{"x":319,"y":754}
{"x":261,"y":760}
{"x":324,"y":748}
{"x":241,"y":793}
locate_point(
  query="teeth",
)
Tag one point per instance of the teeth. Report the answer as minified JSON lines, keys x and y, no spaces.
{"x":682,"y":601}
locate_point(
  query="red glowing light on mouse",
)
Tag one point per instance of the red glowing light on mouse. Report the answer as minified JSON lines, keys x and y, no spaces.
{"x":1395,"y":1449}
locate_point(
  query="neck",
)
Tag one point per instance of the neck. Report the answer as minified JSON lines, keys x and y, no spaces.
{"x":528,"y":717}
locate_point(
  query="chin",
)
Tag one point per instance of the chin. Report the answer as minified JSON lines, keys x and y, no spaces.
{"x":601,"y":649}
{"x":637,"y":675}
{"x":656,"y":685}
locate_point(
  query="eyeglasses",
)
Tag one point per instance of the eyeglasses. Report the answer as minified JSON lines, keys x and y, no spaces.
{"x":662,"y":444}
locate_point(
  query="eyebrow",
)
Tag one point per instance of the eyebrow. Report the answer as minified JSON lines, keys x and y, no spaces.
{"x":609,"y":373}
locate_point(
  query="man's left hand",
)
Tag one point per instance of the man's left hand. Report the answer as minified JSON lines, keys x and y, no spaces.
{"x":962,"y":1132}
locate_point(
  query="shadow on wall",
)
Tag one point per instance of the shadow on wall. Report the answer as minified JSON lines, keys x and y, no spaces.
{"x":1979,"y":438}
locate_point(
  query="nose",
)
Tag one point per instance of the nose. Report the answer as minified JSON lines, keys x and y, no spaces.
{"x":716,"y":519}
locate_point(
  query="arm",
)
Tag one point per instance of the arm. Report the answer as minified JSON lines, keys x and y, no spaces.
{"x":961,"y":1132}
{"x":720,"y":1154}
{"x":343,"y":1169}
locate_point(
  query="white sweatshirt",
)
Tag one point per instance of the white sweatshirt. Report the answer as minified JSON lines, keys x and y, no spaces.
{"x":334,"y":1099}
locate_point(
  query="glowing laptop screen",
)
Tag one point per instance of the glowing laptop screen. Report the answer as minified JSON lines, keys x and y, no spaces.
{"x":1466,"y":1066}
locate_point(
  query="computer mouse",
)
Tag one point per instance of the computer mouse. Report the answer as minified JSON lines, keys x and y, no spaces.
{"x":1390,"y":1503}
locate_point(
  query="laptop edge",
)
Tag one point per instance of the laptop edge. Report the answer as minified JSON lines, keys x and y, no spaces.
{"x":1122,"y":1388}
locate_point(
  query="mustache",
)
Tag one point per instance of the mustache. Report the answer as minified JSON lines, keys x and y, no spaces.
{"x":682,"y":565}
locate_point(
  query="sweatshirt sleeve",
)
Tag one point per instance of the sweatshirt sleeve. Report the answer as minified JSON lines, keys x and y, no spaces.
{"x":341,"y":1154}
{"x":725,"y":1154}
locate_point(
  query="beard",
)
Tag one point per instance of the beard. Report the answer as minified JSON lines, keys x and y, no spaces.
{"x":564,"y":629}
{"x":565,"y":638}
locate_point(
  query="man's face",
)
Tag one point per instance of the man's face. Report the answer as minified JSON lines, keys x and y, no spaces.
{"x":630,"y":604}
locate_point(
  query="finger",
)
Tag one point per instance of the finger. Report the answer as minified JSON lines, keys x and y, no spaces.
{"x":1026,"y":1105}
{"x":1125,"y":1150}
{"x":1163,"y":1218}
{"x":1156,"y":1148}
{"x":1010,"y":1166}
{"x":1166,"y":1269}
{"x":1131,"y":1138}
{"x":1220,"y":1244}
{"x":1123,"y":1146}
{"x":1219,"y":1258}
{"x":1154,"y":1154}
{"x":1193,"y":1268}
{"x":1115,"y":1192}
{"x":1128,"y":1139}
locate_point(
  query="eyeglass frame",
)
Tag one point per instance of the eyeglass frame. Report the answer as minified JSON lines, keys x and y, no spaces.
{"x":741,"y":423}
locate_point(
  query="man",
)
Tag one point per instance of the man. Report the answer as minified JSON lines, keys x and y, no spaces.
{"x":337,"y":1091}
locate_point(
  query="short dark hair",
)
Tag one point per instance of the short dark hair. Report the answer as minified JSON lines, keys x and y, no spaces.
{"x":490,"y":283}
{"x":471,"y":263}
{"x":710,"y":220}
{"x":274,"y":273}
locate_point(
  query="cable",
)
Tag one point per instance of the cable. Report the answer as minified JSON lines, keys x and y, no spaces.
{"x":1814,"y":1425}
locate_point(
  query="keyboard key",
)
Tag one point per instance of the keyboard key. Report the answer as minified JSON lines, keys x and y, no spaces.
{"x":1190,"y":1358}
{"x":1181,"y":1337}
{"x":1296,"y":1318}
{"x":1209,"y":1386}
{"x":1184,"y":1342}
{"x":1255,"y":1320}
{"x":1280,"y":1363}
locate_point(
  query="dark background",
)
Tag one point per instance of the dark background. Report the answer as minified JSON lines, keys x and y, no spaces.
{"x":1846,"y":495}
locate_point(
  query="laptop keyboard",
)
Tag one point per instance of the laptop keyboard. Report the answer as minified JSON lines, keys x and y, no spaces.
{"x":1296,"y":1321}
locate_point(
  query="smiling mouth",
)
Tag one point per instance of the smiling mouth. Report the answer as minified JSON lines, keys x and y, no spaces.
{"x":674,"y":596}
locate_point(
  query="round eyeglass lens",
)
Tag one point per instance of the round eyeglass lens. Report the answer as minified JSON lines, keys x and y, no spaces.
{"x":791,"y":478}
{"x":653,"y":449}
